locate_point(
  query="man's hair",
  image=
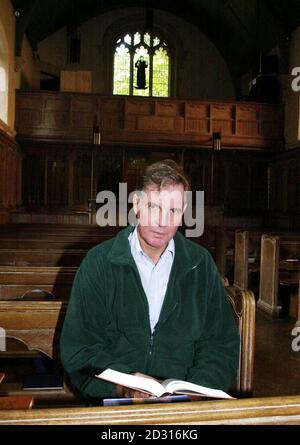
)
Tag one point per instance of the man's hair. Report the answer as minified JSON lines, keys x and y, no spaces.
{"x":164,"y":173}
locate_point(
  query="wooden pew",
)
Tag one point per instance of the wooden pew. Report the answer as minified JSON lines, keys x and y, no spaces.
{"x":38,"y":325}
{"x":41,"y":257}
{"x":275,"y":269}
{"x":283,"y":410}
{"x":21,"y":229}
{"x":15,"y":281}
{"x":14,"y":402}
{"x":53,"y":242}
{"x":35,"y":323}
{"x":247,"y":253}
{"x":297,"y":324}
{"x":49,"y":244}
{"x":243,"y":308}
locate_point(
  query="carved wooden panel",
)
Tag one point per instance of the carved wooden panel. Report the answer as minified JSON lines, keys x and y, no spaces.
{"x":82,"y":112}
{"x":197,"y":117}
{"x":111,"y":113}
{"x":33,"y":180}
{"x":81,"y":178}
{"x":193,"y":125}
{"x":69,"y":116}
{"x":57,"y":112}
{"x":139,"y":107}
{"x":57,"y":181}
{"x":285,"y":184}
{"x":168,"y":108}
{"x":10,"y":175}
{"x":197,"y":110}
{"x":157,"y":123}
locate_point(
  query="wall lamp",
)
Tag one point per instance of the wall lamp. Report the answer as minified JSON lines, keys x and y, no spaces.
{"x":216,"y":138}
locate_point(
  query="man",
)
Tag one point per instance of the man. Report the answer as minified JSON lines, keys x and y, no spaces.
{"x":141,"y":66}
{"x":150,"y":301}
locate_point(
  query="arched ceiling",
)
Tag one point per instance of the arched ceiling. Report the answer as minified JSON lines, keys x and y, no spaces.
{"x":240,"y":29}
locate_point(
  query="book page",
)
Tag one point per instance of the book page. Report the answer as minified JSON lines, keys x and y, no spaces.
{"x":183,"y":387}
{"x":145,"y":384}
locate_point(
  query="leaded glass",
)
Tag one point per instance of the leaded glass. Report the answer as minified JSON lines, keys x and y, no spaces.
{"x":160,"y":73}
{"x":141,"y":66}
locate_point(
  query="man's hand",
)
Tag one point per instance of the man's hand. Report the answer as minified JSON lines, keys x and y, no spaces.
{"x":123,"y":391}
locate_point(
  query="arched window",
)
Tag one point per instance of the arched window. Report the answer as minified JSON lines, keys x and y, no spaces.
{"x":141,"y":65}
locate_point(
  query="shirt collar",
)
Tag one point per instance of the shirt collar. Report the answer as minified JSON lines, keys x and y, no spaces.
{"x":136,"y":245}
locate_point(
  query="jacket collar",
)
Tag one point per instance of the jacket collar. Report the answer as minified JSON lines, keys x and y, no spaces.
{"x":186,"y":258}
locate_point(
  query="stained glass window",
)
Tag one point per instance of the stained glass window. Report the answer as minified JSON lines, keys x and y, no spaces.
{"x":122,"y":70}
{"x":141,"y":65}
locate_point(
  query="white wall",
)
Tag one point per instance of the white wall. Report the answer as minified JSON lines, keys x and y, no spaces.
{"x":7,"y":46}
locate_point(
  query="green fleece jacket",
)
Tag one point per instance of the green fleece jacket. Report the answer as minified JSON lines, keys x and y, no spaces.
{"x":107,"y":321}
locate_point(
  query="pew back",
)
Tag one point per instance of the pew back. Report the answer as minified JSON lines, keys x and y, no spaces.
{"x":275,"y":260}
{"x":15,"y":281}
{"x":38,"y":324}
{"x":248,"y":249}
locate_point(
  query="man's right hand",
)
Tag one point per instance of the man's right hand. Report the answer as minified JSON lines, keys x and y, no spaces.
{"x":123,"y":391}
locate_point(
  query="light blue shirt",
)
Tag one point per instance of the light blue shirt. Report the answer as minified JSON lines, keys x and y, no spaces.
{"x":154,"y":277}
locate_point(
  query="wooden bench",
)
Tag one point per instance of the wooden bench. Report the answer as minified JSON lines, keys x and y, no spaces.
{"x":41,"y":257}
{"x":47,"y":230}
{"x":247,"y":253}
{"x":243,"y":307}
{"x":279,"y":264}
{"x":297,"y":324}
{"x":283,"y":410}
{"x":35,"y":323}
{"x":15,"y":281}
{"x":53,"y":242}
{"x":38,"y":325}
{"x":49,"y":244}
{"x":15,"y":402}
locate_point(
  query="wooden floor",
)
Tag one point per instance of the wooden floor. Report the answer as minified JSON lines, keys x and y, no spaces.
{"x":276,"y":366}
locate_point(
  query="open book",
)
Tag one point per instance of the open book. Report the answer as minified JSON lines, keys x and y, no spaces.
{"x":155,"y":388}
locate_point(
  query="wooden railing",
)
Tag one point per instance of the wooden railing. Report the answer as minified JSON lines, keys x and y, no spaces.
{"x":142,"y":121}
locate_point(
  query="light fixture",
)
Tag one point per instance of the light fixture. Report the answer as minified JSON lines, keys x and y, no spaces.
{"x":96,"y":131}
{"x":216,"y":138}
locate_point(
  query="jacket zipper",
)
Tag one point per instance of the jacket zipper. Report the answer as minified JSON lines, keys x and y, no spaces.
{"x":151,"y":344}
{"x":151,"y":340}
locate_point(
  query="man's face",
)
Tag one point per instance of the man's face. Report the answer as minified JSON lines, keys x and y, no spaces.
{"x":159,"y":214}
